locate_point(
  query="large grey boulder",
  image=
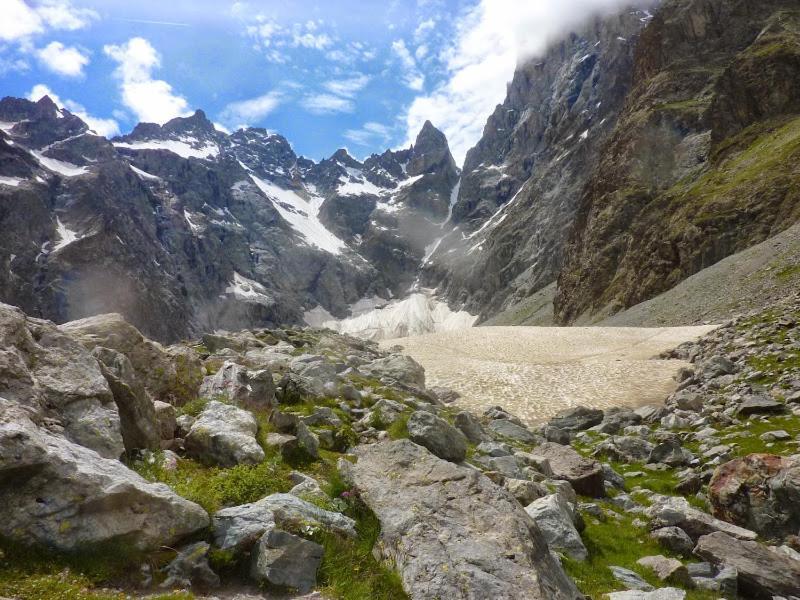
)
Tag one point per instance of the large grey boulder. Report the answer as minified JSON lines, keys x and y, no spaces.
{"x":396,"y":366}
{"x":585,"y":475}
{"x":62,"y":495}
{"x":284,"y":559}
{"x":577,"y":419}
{"x":437,"y":435}
{"x":470,"y":426}
{"x":236,"y":384}
{"x":224,"y":435}
{"x":626,"y":448}
{"x":762,"y":572}
{"x":190,"y":569}
{"x":450,"y":531}
{"x":514,"y":431}
{"x":554,"y":518}
{"x":675,"y":511}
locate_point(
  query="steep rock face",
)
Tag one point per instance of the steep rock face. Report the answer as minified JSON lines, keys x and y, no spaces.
{"x":182,"y":228}
{"x":703,"y":161}
{"x":521,"y":183}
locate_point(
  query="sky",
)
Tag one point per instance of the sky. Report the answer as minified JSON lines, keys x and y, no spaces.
{"x":363,"y":75}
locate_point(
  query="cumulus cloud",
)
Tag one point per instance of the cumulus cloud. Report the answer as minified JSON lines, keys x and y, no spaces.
{"x":370,"y":134}
{"x":324,"y":104}
{"x":347,"y":87}
{"x":247,"y":112}
{"x":411,"y":74}
{"x":22,"y":20}
{"x":490,"y":39}
{"x":151,"y":100}
{"x":104,"y":127}
{"x":64,"y":60}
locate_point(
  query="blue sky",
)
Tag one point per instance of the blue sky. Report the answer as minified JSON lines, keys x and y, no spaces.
{"x":342,"y":73}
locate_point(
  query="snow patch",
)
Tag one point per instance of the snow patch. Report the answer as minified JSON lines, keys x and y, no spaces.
{"x":144,"y":174}
{"x":65,"y":235}
{"x":58,"y":166}
{"x":195,"y":227}
{"x":184,"y":147}
{"x":12,"y":181}
{"x":356,"y":184}
{"x":248,"y":290}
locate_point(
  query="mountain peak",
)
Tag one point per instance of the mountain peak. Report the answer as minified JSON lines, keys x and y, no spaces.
{"x":430,"y":151}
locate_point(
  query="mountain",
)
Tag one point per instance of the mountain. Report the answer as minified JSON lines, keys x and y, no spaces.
{"x":183,"y":228}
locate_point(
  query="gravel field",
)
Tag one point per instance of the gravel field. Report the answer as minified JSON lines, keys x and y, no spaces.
{"x":535,"y":372}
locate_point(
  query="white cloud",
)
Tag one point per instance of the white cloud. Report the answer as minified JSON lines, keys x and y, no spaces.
{"x":152,"y":100}
{"x":21,"y":20}
{"x":411,"y":75}
{"x":104,"y":127}
{"x":323,"y":104}
{"x":64,"y":60}
{"x":275,"y":40}
{"x":347,"y":87}
{"x":370,"y":134}
{"x":251,"y":110}
{"x":490,"y":39}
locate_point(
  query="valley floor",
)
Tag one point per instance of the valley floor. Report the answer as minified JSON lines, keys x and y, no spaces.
{"x":536,"y":372}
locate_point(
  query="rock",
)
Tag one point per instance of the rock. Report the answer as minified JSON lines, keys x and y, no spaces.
{"x":387,"y":412}
{"x":398,"y":367}
{"x":307,"y":440}
{"x":525,"y":491}
{"x":541,"y":465}
{"x":498,"y":412}
{"x":284,"y":559}
{"x":72,"y":498}
{"x":674,"y":539}
{"x":239,"y":527}
{"x":137,"y":416}
{"x":650,"y":413}
{"x":674,"y":421}
{"x":670,"y":453}
{"x":554,"y":434}
{"x":577,"y":419}
{"x":686,"y":400}
{"x":717,"y":366}
{"x":233,"y":382}
{"x":762,"y":573}
{"x":470,"y":426}
{"x":494,"y":449}
{"x":190,"y":569}
{"x":625,"y":448}
{"x":675,"y":511}
{"x":224,"y":435}
{"x":183,"y":424}
{"x":667,"y":569}
{"x":757,"y":404}
{"x":323,"y":415}
{"x":166,"y":419}
{"x":660,"y":594}
{"x":273,"y":359}
{"x":507,"y":466}
{"x":585,"y":475}
{"x":443,"y":525}
{"x":630,"y":579}
{"x":509,"y":429}
{"x":287,"y":445}
{"x":437,"y":435}
{"x":728,"y":581}
{"x":554,"y":518}
{"x":760,"y":492}
{"x":618,"y":418}
{"x":775,"y":436}
{"x":444,"y":394}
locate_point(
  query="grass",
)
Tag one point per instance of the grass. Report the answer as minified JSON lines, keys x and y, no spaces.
{"x":748,"y":440}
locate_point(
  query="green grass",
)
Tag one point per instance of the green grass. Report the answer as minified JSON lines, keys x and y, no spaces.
{"x":748,"y":439}
{"x":788,"y":273}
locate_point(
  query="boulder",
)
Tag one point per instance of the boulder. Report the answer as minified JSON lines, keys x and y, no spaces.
{"x":760,"y":492}
{"x":675,"y":511}
{"x":450,"y":531}
{"x":670,"y":453}
{"x":284,"y":559}
{"x":167,"y":419}
{"x":630,"y":579}
{"x":307,"y":440}
{"x":555,"y":520}
{"x":525,"y":491}
{"x":761,"y":572}
{"x":511,"y":430}
{"x":444,"y":394}
{"x":757,"y":404}
{"x":585,"y":475}
{"x":224,"y":435}
{"x":470,"y":426}
{"x":616,"y":419}
{"x":437,"y":435}
{"x":234,"y":383}
{"x":674,"y":539}
{"x":62,"y":495}
{"x":625,"y":448}
{"x":660,"y":594}
{"x":666,"y":569}
{"x":398,"y":367}
{"x":577,"y":419}
{"x":190,"y":569}
{"x":717,"y":366}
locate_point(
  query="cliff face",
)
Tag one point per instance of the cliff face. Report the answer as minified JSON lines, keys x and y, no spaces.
{"x":521,"y":183}
{"x":704,"y":160}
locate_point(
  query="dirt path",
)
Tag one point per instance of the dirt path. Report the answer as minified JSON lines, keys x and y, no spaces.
{"x":537,"y":371}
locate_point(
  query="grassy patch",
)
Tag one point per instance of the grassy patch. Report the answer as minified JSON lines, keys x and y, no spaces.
{"x":748,"y":441}
{"x":399,"y":429}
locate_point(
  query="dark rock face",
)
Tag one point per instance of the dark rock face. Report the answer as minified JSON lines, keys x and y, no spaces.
{"x":701,"y":162}
{"x":521,"y":183}
{"x":182,"y":228}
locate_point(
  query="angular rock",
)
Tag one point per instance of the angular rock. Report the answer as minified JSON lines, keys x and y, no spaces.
{"x":717,"y":366}
{"x":307,"y":440}
{"x":761,"y":572}
{"x":674,"y":539}
{"x":757,"y":404}
{"x":284,"y":559}
{"x":166,"y":419}
{"x":525,"y":491}
{"x":450,"y":531}
{"x":224,"y":435}
{"x":659,"y":594}
{"x":585,"y":475}
{"x":577,"y":419}
{"x":616,"y":419}
{"x":675,"y":511}
{"x":625,"y":448}
{"x":554,"y":518}
{"x":667,"y":569}
{"x":670,"y":453}
{"x":190,"y":569}
{"x":234,"y":383}
{"x":398,"y":367}
{"x":470,"y":426}
{"x":630,"y":579}
{"x":511,"y":430}
{"x":437,"y":435}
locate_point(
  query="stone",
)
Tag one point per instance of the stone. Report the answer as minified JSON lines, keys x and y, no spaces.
{"x":659,"y":594}
{"x":307,"y":440}
{"x":585,"y":475}
{"x":670,"y":453}
{"x":675,"y":511}
{"x":386,"y":412}
{"x":666,"y":569}
{"x":284,"y":559}
{"x":234,"y":383}
{"x":650,"y":413}
{"x":239,"y":527}
{"x":617,"y":418}
{"x":166,"y":417}
{"x":470,"y":426}
{"x":437,"y":435}
{"x":555,"y":520}
{"x":717,"y":366}
{"x":541,"y":465}
{"x":444,"y":394}
{"x":760,"y":492}
{"x":494,"y":449}
{"x":323,"y":415}
{"x":190,"y":569}
{"x":554,"y":434}
{"x":398,"y":367}
{"x":224,"y":435}
{"x":630,"y":579}
{"x":577,"y":419}
{"x":775,"y":436}
{"x":687,"y":400}
{"x":674,"y":539}
{"x":525,"y":491}
{"x":761,"y":572}
{"x":625,"y":449}
{"x":286,"y":444}
{"x":757,"y":404}
{"x":443,"y":524}
{"x":73,"y":498}
{"x":508,"y":429}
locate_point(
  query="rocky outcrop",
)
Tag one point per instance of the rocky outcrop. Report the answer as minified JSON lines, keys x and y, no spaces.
{"x":450,"y":531}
